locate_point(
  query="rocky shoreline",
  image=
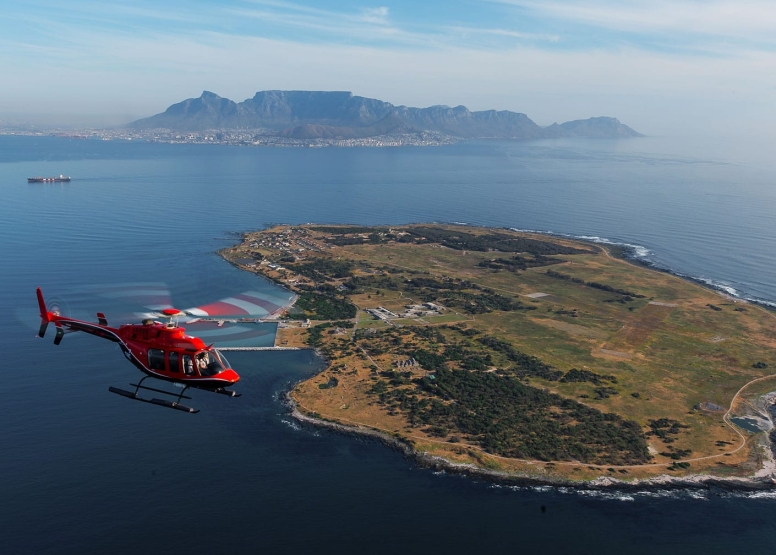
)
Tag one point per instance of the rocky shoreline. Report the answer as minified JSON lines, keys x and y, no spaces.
{"x":605,"y":483}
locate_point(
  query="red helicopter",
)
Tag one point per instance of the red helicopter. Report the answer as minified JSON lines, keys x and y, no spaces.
{"x":160,"y":350}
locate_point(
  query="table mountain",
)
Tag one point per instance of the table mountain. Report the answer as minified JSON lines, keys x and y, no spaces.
{"x":341,"y":115}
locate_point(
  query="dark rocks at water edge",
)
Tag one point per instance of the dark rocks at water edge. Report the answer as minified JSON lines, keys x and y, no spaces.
{"x":664,"y":483}
{"x":341,"y":115}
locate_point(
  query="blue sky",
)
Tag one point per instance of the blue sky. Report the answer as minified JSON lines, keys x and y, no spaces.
{"x":657,"y":65}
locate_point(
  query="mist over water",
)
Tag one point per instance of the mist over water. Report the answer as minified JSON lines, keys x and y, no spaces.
{"x":89,"y":472}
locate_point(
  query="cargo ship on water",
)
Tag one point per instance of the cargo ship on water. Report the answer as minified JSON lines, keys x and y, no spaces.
{"x":59,"y":179}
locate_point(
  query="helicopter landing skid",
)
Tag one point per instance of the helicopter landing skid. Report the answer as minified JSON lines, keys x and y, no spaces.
{"x":227,"y":392}
{"x":134,"y":395}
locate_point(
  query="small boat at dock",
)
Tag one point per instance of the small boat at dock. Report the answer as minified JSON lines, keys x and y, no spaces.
{"x":58,"y":179}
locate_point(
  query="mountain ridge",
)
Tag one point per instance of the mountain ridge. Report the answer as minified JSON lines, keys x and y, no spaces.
{"x":342,"y":115}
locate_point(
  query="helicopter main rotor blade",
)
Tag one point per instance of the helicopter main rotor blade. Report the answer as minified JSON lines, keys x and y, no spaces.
{"x":251,"y":304}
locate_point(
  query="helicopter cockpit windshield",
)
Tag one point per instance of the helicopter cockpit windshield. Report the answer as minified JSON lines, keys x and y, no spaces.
{"x":223,"y":359}
{"x":208,"y":363}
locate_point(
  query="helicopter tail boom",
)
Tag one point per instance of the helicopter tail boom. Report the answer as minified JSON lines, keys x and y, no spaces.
{"x":65,"y":324}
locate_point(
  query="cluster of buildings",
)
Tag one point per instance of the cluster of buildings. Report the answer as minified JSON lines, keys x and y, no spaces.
{"x":410,"y":362}
{"x":291,"y":241}
{"x":240,"y":137}
{"x":423,"y":138}
{"x":382,"y":313}
{"x":411,"y":311}
{"x":421,"y":310}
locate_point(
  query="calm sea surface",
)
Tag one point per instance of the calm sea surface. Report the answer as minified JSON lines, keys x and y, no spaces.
{"x":83,"y":471}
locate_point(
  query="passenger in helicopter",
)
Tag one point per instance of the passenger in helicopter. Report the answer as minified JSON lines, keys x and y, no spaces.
{"x":188,"y":365}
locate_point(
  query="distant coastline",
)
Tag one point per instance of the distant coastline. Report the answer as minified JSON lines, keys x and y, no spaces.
{"x":251,"y":138}
{"x":246,"y":138}
{"x":316,"y":119}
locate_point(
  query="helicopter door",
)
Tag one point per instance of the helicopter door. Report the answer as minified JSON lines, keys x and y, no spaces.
{"x":188,"y":365}
{"x":173,"y":362}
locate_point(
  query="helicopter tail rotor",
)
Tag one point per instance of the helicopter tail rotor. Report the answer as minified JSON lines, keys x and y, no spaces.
{"x":45,"y":316}
{"x":56,"y":312}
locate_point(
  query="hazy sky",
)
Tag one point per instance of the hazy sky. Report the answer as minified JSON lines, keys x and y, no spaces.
{"x":659,"y":66}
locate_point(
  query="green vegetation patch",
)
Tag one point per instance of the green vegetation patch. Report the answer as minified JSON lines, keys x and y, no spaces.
{"x":467,"y":296}
{"x":324,"y":307}
{"x":462,"y":240}
{"x":594,"y":284}
{"x":666,"y":429}
{"x":575,"y":375}
{"x":315,"y":333}
{"x":485,"y":301}
{"x":324,"y":268}
{"x":362,"y":284}
{"x":347,"y":229}
{"x":509,"y":418}
{"x":519,"y":262}
{"x":526,"y":365}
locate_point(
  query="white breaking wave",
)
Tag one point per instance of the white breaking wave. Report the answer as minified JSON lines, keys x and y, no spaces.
{"x":628,"y":496}
{"x":720,"y":285}
{"x":761,"y":301}
{"x":291,"y":424}
{"x":641,"y":252}
{"x":762,"y":495}
{"x":728,"y":289}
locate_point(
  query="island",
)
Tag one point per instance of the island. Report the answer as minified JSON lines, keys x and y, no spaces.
{"x":523,"y":356}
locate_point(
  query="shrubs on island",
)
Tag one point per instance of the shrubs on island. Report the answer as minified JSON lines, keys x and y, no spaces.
{"x":509,"y":418}
{"x":593,"y":284}
{"x":325,"y":307}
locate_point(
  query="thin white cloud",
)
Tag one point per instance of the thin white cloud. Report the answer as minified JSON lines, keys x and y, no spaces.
{"x":504,"y":33}
{"x":746,"y":19}
{"x":372,"y":25}
{"x":161,"y":69}
{"x":367,"y":25}
{"x":375,"y":15}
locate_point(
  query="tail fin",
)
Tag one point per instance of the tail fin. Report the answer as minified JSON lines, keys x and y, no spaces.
{"x":44,"y":314}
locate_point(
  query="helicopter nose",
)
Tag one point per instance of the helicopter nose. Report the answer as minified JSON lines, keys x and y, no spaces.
{"x":230,"y":375}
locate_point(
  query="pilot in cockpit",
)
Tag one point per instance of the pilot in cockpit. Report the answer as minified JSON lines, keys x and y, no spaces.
{"x":202,"y":362}
{"x":208,"y":364}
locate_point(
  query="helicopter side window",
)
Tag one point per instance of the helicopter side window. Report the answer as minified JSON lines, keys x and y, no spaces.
{"x":172,"y":361}
{"x":188,"y":365}
{"x":156,"y":359}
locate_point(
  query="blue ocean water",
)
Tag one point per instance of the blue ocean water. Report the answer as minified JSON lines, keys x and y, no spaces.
{"x":83,"y":471}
